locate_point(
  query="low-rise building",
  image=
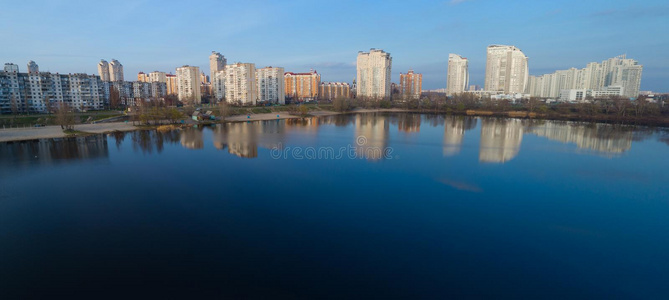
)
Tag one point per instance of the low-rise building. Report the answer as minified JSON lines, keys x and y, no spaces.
{"x":334,"y":90}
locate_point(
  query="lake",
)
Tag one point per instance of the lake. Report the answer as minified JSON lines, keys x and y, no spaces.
{"x":359,"y":206}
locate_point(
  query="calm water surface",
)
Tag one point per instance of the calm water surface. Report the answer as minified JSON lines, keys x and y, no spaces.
{"x":416,"y":207}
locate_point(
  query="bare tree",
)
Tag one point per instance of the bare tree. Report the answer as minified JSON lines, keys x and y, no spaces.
{"x":64,"y":117}
{"x":641,"y":105}
{"x":340,"y":104}
{"x":14,"y":106}
{"x":223,"y":109}
{"x":47,"y":104}
{"x":620,"y":105}
{"x":114,"y":98}
{"x":532,"y":104}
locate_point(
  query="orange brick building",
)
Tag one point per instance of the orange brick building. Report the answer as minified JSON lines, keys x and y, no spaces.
{"x":302,"y":86}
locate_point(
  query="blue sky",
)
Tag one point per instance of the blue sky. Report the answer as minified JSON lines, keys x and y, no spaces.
{"x":72,"y":36}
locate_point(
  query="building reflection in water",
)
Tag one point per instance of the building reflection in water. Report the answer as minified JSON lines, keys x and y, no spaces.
{"x":600,"y":138}
{"x":341,"y":120}
{"x":308,"y":126}
{"x":49,"y":151}
{"x":371,"y":136}
{"x":500,"y":139}
{"x":408,"y":123}
{"x":454,"y":133}
{"x":191,"y":137}
{"x":243,"y":138}
{"x":147,"y":141}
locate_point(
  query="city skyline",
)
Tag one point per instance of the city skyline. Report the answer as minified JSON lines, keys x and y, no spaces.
{"x":549,"y":34}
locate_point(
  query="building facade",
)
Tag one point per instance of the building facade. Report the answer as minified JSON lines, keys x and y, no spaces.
{"x":218,"y":85}
{"x":36,"y":92}
{"x":271,"y":85}
{"x":157,"y":76}
{"x":141,"y":91}
{"x":205,"y":84}
{"x":506,"y":70}
{"x":143,"y":77}
{"x":115,"y":71}
{"x":240,"y":83}
{"x":334,"y":90}
{"x":188,"y":85}
{"x":373,"y":74}
{"x":217,"y":64}
{"x":617,"y":73}
{"x":302,"y":86}
{"x":103,"y":70}
{"x":172,"y":84}
{"x":411,"y":85}
{"x":457,"y":76}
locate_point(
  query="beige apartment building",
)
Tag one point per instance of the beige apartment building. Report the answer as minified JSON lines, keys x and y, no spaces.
{"x":457,"y":76}
{"x":188,"y":84}
{"x":373,"y":74}
{"x":240,"y":83}
{"x":506,"y":70}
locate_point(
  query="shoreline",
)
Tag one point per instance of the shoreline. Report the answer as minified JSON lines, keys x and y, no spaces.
{"x":49,"y":132}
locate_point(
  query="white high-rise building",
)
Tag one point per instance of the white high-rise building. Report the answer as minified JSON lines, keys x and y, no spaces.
{"x":240,"y":83}
{"x":218,"y":84}
{"x":217,"y":64}
{"x":373,"y":74}
{"x":103,"y":70}
{"x":506,"y":70}
{"x":188,"y":84}
{"x":115,"y":71}
{"x":270,"y":82}
{"x":458,"y":74}
{"x":618,"y":74}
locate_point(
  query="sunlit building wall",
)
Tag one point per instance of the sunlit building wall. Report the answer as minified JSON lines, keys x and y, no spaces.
{"x":506,"y":70}
{"x":373,"y":74}
{"x":334,"y":90}
{"x":115,"y":71}
{"x":188,"y":84}
{"x":103,"y":70}
{"x":457,"y":77}
{"x":411,"y":85}
{"x":302,"y":86}
{"x":240,"y":84}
